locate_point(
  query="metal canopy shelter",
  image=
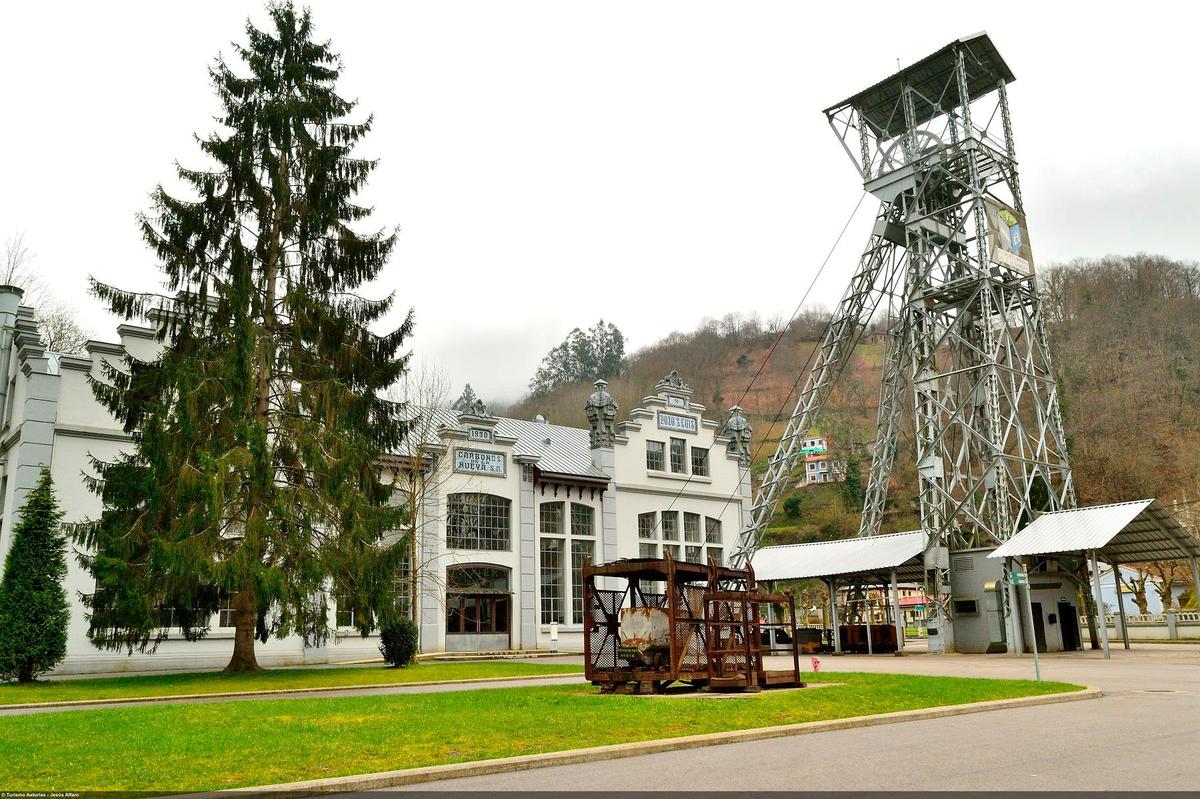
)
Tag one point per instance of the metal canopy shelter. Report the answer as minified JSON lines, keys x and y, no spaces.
{"x":1120,"y":533}
{"x":895,"y":556}
{"x":852,"y":556}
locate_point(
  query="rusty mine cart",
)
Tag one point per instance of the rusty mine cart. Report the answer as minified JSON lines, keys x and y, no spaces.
{"x":651,"y":622}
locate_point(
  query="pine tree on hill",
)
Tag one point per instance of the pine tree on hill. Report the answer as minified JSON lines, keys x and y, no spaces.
{"x":581,"y":357}
{"x":33,"y":604}
{"x":253,"y":483}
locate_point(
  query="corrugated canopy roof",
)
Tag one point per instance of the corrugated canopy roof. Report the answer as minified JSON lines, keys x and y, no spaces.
{"x":1124,"y":532}
{"x":877,"y":554}
{"x":879,"y":105}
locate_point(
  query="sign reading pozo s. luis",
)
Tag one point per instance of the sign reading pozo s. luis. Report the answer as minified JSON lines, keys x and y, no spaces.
{"x":681,"y":424}
{"x":477,"y":461}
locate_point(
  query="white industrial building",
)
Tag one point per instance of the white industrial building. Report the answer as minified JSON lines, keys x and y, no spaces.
{"x":510,"y":509}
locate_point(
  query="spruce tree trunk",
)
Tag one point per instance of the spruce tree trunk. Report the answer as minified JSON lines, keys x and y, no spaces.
{"x":245,"y":614}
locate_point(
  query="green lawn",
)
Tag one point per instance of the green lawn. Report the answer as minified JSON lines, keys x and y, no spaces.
{"x":219,"y":682}
{"x":228,"y":744}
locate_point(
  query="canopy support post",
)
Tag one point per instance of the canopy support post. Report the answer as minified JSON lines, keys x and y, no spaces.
{"x":1116,"y":567}
{"x":1101,"y":619}
{"x":833,"y":616}
{"x":897,"y":616}
{"x":1196,"y":581}
{"x":866,"y":609}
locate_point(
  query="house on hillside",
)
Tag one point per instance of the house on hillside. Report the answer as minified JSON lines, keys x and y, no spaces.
{"x":819,"y":467}
{"x":508,"y":510}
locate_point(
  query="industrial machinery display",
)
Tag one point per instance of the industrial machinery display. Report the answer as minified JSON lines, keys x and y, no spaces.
{"x":653,"y":622}
{"x":949,"y":267}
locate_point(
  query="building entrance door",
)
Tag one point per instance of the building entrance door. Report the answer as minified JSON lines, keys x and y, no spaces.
{"x":1068,"y":620}
{"x":477,"y":622}
{"x":478,"y":609}
{"x":1039,"y":627}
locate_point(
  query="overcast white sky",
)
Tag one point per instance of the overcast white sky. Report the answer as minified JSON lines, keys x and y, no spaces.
{"x":550,"y":163}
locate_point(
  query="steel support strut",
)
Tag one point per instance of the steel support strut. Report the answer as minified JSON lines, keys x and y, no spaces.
{"x":879,"y":260}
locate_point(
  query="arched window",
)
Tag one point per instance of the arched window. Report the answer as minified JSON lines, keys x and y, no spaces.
{"x":478,"y":521}
{"x":476,"y":579}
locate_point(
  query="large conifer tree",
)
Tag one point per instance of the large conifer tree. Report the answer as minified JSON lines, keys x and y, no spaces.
{"x":253,"y":479}
{"x":33,"y":603}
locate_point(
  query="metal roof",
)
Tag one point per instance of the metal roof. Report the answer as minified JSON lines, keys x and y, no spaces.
{"x":557,"y":449}
{"x":875,"y":554}
{"x":879,"y":104}
{"x":1124,"y":532}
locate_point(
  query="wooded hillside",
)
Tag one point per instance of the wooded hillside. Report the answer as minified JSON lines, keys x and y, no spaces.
{"x":1125,"y":336}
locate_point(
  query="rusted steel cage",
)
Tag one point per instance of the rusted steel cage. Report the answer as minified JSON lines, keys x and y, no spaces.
{"x":651,"y":622}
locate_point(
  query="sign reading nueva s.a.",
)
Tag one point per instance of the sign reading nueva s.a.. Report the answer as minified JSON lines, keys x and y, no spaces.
{"x":477,"y":461}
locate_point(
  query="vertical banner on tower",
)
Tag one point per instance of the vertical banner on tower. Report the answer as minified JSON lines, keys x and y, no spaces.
{"x":1008,"y":237}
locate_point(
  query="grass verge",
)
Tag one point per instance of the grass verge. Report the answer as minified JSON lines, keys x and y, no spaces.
{"x":230,"y":744}
{"x":278,"y":679}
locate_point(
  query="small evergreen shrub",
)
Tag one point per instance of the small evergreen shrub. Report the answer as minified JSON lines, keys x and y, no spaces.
{"x":398,"y":641}
{"x":33,"y":604}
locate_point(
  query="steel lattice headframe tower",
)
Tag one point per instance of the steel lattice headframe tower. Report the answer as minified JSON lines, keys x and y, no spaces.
{"x":949,"y":264}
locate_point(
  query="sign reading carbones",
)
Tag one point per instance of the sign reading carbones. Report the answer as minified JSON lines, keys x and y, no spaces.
{"x":672,"y":421}
{"x":1008,"y":237}
{"x":478,"y":461}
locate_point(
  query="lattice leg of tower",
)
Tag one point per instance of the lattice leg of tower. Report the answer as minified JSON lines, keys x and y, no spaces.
{"x":880,"y":260}
{"x":887,"y":439}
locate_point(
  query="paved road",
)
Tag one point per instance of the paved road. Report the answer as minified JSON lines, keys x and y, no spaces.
{"x":1144,"y":734}
{"x":409,"y":688}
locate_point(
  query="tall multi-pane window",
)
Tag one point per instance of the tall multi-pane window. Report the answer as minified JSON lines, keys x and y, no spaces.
{"x":581,"y":553}
{"x":344,"y":610}
{"x":672,"y":550}
{"x":551,"y":515}
{"x":678,"y":455}
{"x":225,"y":613}
{"x":656,"y":456}
{"x":647,"y":532}
{"x":403,"y":586}
{"x":691,"y":527}
{"x":670,"y":525}
{"x":564,"y":537}
{"x":692,"y":554}
{"x":699,"y":462}
{"x":478,"y":521}
{"x":583,"y":519}
{"x":551,"y":570}
{"x":712,"y":530}
{"x":712,"y":535}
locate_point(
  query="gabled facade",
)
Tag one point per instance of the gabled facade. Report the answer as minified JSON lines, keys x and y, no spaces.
{"x":507,"y":511}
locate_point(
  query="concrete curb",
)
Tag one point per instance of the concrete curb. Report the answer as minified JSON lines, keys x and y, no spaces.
{"x":413,"y":776}
{"x":167,"y":698}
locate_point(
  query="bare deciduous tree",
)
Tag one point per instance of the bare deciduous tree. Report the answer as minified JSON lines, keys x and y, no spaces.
{"x":1134,"y":582}
{"x":421,"y":473}
{"x":1164,"y":574}
{"x":56,"y":321}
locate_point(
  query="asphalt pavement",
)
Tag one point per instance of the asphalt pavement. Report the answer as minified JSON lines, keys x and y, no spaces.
{"x":1144,"y":734}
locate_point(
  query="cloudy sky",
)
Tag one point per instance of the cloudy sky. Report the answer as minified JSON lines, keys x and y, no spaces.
{"x":551,"y":163}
